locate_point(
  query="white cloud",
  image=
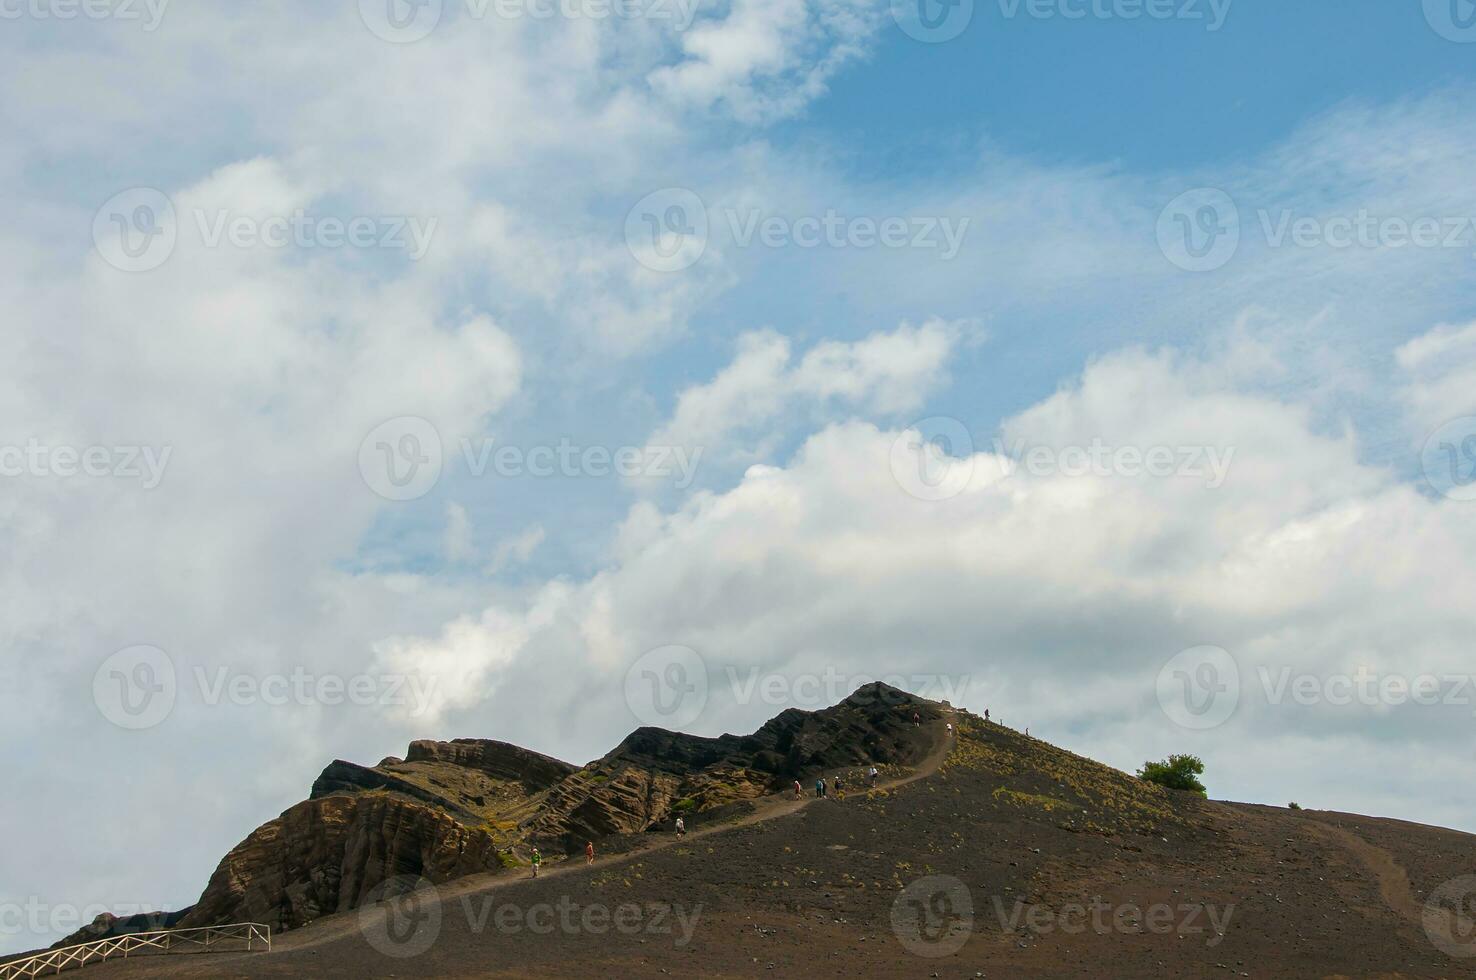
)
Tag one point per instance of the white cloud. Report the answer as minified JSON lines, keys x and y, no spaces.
{"x":1057,"y":597}
{"x":883,"y":374}
{"x":1439,"y":375}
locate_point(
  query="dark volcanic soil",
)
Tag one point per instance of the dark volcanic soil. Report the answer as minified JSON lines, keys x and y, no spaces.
{"x":1004,"y":857}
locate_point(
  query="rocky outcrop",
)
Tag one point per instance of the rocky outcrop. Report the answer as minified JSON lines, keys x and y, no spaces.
{"x":643,"y":781}
{"x":470,"y":805}
{"x":499,"y":760}
{"x":326,"y":855}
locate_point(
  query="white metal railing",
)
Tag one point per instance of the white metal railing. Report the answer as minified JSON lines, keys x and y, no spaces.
{"x":234,"y":938}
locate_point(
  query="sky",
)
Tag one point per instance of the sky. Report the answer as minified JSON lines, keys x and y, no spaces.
{"x":536,"y":371}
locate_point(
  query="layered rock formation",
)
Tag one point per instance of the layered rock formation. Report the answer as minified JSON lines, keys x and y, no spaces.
{"x":450,"y":809}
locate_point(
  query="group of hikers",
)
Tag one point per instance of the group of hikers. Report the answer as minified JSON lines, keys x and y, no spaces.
{"x":835,"y":785}
{"x":823,"y":790}
{"x":536,"y":859}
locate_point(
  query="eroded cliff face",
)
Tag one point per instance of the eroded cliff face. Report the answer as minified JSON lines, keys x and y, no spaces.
{"x":326,"y":855}
{"x":450,"y":809}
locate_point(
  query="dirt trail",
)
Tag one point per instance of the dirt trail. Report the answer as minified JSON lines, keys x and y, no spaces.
{"x":770,"y":807}
{"x":1393,"y":879}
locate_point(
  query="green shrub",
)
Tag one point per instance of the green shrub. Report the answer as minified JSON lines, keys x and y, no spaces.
{"x":1178,"y":772}
{"x":686,"y":805}
{"x":1294,"y":805}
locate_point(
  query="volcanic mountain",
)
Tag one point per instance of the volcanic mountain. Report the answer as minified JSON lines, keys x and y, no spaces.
{"x":979,"y":852}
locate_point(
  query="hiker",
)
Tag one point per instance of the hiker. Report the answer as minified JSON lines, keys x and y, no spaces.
{"x":873,"y":774}
{"x":589,"y":853}
{"x":986,"y":714}
{"x":796,"y":789}
{"x":537,"y":860}
{"x":916,"y":718}
{"x":819,"y":787}
{"x":950,"y":729}
{"x":681,"y":827}
{"x":840,"y":788}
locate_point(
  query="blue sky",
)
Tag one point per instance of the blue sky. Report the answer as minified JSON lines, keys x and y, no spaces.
{"x":1140,"y":236}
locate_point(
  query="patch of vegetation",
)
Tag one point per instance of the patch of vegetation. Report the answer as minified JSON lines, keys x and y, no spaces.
{"x":1112,"y":800}
{"x":685,"y":805}
{"x":1180,"y":772}
{"x":1294,"y":805}
{"x":1047,"y":803}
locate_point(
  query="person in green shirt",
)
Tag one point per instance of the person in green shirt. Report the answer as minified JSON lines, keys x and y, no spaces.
{"x":537,"y":860}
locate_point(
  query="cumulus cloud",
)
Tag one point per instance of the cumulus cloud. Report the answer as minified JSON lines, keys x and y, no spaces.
{"x":881,"y":374}
{"x":1052,"y":597}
